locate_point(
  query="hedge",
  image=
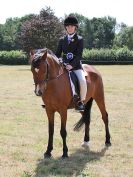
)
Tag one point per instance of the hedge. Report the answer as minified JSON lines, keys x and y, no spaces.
{"x":108,"y":55}
{"x":93,"y":56}
{"x":13,"y":58}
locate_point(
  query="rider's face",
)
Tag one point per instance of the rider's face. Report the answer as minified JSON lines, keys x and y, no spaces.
{"x":71,"y":29}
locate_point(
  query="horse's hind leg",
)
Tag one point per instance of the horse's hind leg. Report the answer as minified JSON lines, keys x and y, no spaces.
{"x":50,"y":115}
{"x":86,"y":117}
{"x":101,"y":104}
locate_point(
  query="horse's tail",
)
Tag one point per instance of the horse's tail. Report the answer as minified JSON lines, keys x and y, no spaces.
{"x":85,"y":119}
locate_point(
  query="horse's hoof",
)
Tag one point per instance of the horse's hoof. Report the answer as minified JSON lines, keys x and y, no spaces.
{"x":64,"y":156}
{"x":85,"y":144}
{"x":47,"y":155}
{"x":43,"y":106}
{"x":107,"y":144}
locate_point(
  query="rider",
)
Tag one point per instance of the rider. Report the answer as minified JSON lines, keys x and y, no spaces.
{"x":70,"y":47}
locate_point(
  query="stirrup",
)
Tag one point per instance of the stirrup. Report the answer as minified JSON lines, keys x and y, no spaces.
{"x":80,"y":106}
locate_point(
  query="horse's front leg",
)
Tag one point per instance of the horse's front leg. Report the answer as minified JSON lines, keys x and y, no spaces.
{"x":63,"y":132}
{"x":50,"y":115}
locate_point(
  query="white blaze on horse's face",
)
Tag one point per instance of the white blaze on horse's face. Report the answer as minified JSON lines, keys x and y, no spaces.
{"x":37,"y":70}
{"x":38,"y":91}
{"x":39,"y":82}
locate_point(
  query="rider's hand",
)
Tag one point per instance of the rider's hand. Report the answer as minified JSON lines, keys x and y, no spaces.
{"x":60,"y":60}
{"x":68,"y":67}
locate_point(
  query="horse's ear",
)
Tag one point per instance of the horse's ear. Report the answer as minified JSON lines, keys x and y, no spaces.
{"x":32,"y":52}
{"x":44,"y":55}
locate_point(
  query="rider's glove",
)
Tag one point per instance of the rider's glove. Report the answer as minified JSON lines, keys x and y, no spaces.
{"x":60,"y":60}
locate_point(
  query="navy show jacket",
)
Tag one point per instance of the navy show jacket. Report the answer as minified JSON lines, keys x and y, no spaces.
{"x":75,"y":47}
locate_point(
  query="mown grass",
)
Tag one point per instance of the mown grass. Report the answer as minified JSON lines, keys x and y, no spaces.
{"x":23,"y":130}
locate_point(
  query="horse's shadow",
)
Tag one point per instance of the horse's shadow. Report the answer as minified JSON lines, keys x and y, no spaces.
{"x":72,"y":166}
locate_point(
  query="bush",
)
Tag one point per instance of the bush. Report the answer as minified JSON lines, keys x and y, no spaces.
{"x":108,"y":55}
{"x":13,"y":58}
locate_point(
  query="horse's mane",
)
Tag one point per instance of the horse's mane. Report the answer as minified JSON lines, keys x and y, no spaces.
{"x":40,"y":52}
{"x":53,"y":56}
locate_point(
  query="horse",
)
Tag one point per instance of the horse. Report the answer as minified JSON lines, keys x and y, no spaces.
{"x":53,"y":85}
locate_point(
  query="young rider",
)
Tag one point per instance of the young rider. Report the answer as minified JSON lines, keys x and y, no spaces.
{"x":70,"y":48}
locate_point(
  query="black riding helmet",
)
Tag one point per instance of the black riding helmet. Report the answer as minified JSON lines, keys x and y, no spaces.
{"x":71,"y":20}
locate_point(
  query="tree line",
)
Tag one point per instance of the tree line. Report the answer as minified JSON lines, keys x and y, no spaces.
{"x":45,"y":29}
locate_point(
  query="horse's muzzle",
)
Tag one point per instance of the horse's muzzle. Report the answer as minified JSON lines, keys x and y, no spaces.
{"x":38,"y":92}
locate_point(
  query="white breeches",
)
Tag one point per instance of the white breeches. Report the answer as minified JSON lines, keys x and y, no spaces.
{"x":82,"y":82}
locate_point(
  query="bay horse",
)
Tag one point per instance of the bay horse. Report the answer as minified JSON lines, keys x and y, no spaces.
{"x":53,"y":85}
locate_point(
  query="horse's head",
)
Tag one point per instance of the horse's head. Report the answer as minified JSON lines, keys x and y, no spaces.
{"x":39,"y":68}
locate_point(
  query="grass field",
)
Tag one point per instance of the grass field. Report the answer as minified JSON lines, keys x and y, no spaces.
{"x":23,"y":130}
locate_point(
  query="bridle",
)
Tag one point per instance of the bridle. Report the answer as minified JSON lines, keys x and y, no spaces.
{"x":47,"y":79}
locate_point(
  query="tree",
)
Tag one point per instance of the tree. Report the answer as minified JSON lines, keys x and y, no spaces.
{"x":41,"y":31}
{"x":121,"y":38}
{"x":9,"y":33}
{"x":88,"y":34}
{"x":124,"y":38}
{"x":1,"y":37}
{"x":119,"y":27}
{"x":130,"y":38}
{"x":103,"y":30}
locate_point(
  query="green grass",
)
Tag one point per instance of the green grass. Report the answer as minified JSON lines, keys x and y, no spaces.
{"x":23,"y":130}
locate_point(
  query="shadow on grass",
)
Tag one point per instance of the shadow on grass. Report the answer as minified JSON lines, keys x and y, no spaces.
{"x":24,"y":69}
{"x":73,"y":166}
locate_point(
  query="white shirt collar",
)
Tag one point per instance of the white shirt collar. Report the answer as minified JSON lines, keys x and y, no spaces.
{"x":70,"y":35}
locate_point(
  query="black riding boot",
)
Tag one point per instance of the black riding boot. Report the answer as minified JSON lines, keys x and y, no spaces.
{"x":79,"y":105}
